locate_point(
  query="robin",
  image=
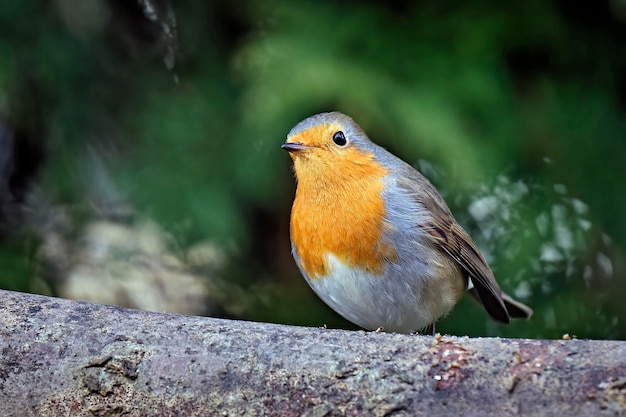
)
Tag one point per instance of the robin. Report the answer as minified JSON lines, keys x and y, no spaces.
{"x":374,"y":238}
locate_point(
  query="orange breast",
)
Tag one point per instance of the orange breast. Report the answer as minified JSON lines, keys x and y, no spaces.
{"x":338,"y":209}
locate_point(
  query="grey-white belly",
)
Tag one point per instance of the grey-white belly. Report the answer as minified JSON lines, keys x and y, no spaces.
{"x":399,"y":301}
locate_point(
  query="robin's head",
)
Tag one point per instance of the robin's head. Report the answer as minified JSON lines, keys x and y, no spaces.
{"x":329,"y":144}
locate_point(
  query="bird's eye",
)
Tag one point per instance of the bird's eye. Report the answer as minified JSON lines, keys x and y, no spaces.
{"x":340,"y":139}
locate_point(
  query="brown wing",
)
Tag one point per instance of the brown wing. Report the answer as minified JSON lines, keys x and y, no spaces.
{"x":453,"y":240}
{"x":450,"y":237}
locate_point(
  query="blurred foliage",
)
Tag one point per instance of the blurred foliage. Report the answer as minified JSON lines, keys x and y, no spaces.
{"x":515,"y":110}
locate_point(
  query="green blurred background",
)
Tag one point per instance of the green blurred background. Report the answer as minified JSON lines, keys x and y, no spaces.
{"x":140,"y":146}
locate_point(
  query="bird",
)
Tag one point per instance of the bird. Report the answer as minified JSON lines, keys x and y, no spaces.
{"x":374,"y":238}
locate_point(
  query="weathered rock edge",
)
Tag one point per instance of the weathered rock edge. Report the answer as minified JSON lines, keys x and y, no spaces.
{"x":61,"y":357}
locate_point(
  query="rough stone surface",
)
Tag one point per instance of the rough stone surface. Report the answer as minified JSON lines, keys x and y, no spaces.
{"x":62,"y":357}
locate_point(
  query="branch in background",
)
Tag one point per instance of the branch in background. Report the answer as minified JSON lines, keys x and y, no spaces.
{"x":160,"y":12}
{"x":63,"y":357}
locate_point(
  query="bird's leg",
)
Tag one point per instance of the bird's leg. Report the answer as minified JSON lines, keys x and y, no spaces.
{"x":431,"y":328}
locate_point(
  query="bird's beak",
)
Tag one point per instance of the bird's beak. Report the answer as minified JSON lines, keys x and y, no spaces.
{"x":294,"y":146}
